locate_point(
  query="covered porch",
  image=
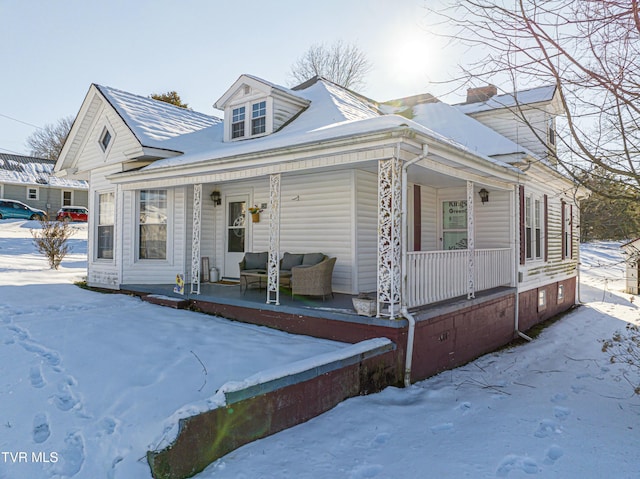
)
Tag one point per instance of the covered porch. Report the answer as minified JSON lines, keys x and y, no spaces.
{"x":409,"y":232}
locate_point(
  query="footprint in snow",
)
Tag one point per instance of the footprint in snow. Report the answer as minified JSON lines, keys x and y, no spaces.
{"x":35,"y":376}
{"x":52,"y":358}
{"x":365,"y":470}
{"x":554,"y":453}
{"x":464,"y":407}
{"x":65,"y":399}
{"x":445,"y":426}
{"x":41,"y":430}
{"x":72,"y":456}
{"x":546,"y":428}
{"x":512,"y":461}
{"x":381,"y":438}
{"x":558,"y":397}
{"x":561,"y":412}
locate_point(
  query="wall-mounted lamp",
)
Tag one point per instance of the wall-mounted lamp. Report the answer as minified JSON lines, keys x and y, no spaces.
{"x":484,"y":196}
{"x":216,"y":197}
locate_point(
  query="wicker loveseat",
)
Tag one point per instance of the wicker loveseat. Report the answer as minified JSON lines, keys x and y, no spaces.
{"x":305,"y":273}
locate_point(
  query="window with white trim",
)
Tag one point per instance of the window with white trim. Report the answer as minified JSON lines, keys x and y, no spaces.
{"x":67,"y":198}
{"x":105,"y":139}
{"x":258,"y":118}
{"x":152,"y":225}
{"x":551,"y":132}
{"x":454,"y":224}
{"x":106,"y":222}
{"x":237,"y":122}
{"x":534,"y":228}
{"x":542,"y":299}
{"x":560,"y":293}
{"x":32,"y":193}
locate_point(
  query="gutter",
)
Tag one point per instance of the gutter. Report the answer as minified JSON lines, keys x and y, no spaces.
{"x":516,"y":262}
{"x":404,"y":310}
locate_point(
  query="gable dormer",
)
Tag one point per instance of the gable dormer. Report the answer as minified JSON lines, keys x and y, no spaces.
{"x":254,"y":108}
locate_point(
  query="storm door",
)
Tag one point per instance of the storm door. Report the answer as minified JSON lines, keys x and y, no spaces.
{"x":236,"y":237}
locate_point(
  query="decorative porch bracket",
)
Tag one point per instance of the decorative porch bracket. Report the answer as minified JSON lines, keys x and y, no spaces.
{"x":273,"y":266}
{"x":195,"y":239}
{"x":471,"y":288}
{"x":389,"y":236}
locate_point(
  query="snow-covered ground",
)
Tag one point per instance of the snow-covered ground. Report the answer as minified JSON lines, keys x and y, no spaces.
{"x":87,"y":381}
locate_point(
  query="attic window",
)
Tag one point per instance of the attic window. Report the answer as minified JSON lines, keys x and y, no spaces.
{"x":259,"y":118}
{"x":552,"y":132}
{"x":105,"y":139}
{"x":247,"y":89}
{"x":237,"y":123}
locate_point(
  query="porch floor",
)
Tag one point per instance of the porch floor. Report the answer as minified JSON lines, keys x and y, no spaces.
{"x":336,"y":308}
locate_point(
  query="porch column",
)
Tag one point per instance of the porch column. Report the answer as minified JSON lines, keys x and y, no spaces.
{"x":471,"y":249}
{"x":389,"y":235}
{"x":195,"y":239}
{"x":273,"y":266}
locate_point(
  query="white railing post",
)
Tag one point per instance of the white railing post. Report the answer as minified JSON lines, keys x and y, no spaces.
{"x":389,"y":235}
{"x":195,"y":239}
{"x":273,"y":266}
{"x":470,"y":243}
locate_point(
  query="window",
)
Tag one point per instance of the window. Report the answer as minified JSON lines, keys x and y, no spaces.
{"x":105,"y":139}
{"x":533,"y":228}
{"x":106,"y":220}
{"x":237,"y":123}
{"x":537,"y":216}
{"x":560,"y":293}
{"x":567,"y":236}
{"x":32,"y":193}
{"x":67,"y":198}
{"x":552,"y":132}
{"x":527,"y":228}
{"x":454,"y":225}
{"x":153,"y":224}
{"x":259,"y":118}
{"x":542,"y":299}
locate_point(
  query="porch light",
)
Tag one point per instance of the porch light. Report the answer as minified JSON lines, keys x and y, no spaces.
{"x":216,"y":198}
{"x":484,"y":196}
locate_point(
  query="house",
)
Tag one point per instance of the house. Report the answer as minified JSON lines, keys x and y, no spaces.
{"x":31,"y":181}
{"x":632,"y":266}
{"x":421,"y":203}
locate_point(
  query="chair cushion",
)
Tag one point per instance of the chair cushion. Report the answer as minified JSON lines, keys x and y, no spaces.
{"x":290,"y":260}
{"x":312,"y":258}
{"x":256,"y":260}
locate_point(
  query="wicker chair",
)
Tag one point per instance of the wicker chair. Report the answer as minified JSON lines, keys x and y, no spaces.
{"x":313,"y":280}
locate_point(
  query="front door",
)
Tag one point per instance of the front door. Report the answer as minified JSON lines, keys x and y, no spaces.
{"x":236,"y":240}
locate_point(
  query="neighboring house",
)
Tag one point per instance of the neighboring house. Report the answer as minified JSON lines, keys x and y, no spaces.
{"x":419,"y":201}
{"x":632,"y":262}
{"x":31,"y":181}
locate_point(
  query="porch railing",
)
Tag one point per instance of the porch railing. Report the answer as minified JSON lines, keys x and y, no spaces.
{"x":438,"y":275}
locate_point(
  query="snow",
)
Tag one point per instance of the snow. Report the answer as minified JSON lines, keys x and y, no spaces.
{"x":334,"y":113}
{"x":91,"y":380}
{"x":524,"y":97}
{"x":33,"y":171}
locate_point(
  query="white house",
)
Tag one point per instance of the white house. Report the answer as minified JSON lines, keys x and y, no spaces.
{"x":419,"y":201}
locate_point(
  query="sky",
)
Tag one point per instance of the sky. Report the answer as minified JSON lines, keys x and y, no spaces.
{"x":52,"y":51}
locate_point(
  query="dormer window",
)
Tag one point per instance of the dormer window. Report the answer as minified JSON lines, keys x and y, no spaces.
{"x":105,"y":139}
{"x":552,"y":132}
{"x":237,"y":123}
{"x":259,"y":118}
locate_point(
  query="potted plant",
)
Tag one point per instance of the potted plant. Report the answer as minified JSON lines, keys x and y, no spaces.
{"x":255,"y":211}
{"x":365,"y":305}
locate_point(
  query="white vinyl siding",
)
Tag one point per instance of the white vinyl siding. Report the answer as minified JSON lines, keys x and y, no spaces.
{"x":282,"y":113}
{"x":366,"y":214}
{"x":429,"y":234}
{"x":492,"y":220}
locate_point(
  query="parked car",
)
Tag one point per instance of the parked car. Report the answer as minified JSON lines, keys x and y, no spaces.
{"x":16,"y":209}
{"x":72,"y":213}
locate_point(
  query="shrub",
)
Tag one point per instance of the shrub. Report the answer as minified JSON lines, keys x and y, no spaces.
{"x":52,"y":241}
{"x":624,"y":348}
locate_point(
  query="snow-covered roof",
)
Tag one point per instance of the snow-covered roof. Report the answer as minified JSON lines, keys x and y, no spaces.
{"x":18,"y":169}
{"x":334,"y":113}
{"x":158,"y":124}
{"x":524,"y":97}
{"x":452,"y":123}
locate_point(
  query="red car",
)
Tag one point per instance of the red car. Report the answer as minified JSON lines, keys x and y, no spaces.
{"x":72,"y":213}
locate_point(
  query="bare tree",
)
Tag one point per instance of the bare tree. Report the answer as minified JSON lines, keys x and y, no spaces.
{"x":590,"y":49}
{"x":344,"y":64}
{"x":47,"y":142}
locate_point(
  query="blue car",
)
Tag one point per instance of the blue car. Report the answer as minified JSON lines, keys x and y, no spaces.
{"x":15,"y":209}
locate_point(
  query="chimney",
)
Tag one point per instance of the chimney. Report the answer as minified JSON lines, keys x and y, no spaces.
{"x":482,"y":93}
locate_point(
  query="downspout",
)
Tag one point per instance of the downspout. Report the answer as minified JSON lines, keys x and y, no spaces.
{"x":404,"y":310}
{"x":516,"y":249}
